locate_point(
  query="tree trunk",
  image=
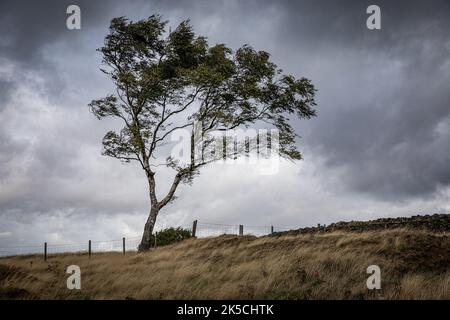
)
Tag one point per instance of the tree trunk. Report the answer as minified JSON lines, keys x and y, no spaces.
{"x":155,"y":207}
{"x":148,"y":230}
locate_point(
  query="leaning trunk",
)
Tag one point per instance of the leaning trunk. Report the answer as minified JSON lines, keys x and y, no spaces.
{"x":146,"y":241}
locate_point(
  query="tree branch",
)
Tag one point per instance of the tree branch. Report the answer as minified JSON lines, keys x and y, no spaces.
{"x":171,"y":192}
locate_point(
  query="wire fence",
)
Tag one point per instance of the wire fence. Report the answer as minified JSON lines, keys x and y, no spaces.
{"x":125,"y":244}
{"x":130,"y":244}
{"x":205,"y":229}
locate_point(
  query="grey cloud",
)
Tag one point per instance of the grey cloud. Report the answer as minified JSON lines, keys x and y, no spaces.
{"x":382,"y":94}
{"x":6,"y":89}
{"x":30,"y":27}
{"x":33,"y":25}
{"x":342,"y":23}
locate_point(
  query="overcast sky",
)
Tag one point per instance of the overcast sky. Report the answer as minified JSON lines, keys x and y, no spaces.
{"x":379,"y":146}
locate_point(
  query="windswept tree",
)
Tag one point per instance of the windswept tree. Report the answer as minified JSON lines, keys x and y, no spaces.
{"x":167,"y":80}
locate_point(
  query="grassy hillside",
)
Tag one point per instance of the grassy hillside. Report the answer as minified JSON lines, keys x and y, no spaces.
{"x":414,"y":265}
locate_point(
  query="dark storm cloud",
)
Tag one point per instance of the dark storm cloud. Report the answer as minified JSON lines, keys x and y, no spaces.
{"x":388,"y":129}
{"x":342,"y":22}
{"x":28,"y":26}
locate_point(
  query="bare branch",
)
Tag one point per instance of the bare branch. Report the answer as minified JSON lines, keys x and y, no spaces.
{"x":171,"y":192}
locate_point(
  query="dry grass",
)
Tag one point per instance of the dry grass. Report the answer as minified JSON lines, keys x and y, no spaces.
{"x":414,"y":265}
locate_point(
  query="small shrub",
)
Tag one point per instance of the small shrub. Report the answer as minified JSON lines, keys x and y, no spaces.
{"x":172,"y":235}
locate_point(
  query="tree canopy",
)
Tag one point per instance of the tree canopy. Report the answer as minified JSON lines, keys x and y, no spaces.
{"x":167,"y":80}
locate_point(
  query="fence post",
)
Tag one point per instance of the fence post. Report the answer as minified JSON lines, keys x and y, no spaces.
{"x":89,"y":249}
{"x":156,"y":235}
{"x":45,"y":251}
{"x":194,"y":228}
{"x":123,"y":244}
{"x":271,"y":229}
{"x":241,"y":230}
